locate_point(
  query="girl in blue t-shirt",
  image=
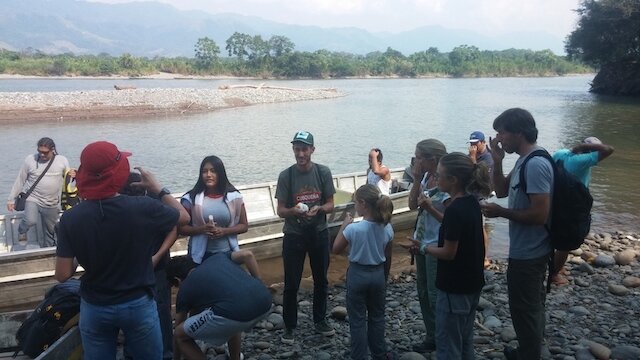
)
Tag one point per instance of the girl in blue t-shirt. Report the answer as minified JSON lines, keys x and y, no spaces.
{"x":369,"y":244}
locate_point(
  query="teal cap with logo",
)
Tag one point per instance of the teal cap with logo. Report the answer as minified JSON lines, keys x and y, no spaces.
{"x":304,"y":137}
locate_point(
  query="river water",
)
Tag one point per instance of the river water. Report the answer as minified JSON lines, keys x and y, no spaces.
{"x":392,"y":114}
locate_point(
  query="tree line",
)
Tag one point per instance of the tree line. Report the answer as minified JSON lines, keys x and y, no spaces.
{"x":276,"y":57}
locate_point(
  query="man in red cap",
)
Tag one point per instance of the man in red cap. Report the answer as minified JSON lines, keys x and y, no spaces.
{"x":114,"y":237}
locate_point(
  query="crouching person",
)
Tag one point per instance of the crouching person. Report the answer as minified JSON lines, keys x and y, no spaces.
{"x":221,"y":299}
{"x":114,"y":238}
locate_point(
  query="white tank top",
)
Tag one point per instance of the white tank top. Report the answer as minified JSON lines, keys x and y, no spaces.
{"x":376,"y":180}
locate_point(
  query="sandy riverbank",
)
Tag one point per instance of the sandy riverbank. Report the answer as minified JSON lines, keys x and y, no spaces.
{"x":101,"y":104}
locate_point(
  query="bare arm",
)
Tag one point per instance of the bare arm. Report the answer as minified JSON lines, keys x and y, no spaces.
{"x":340,"y":243}
{"x":447,"y":252}
{"x":167,"y":243}
{"x":536,"y":214}
{"x":65,"y":268}
{"x":377,"y":168}
{"x":604,"y":150}
{"x":149,"y":182}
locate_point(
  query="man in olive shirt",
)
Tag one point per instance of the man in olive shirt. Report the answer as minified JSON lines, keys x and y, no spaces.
{"x":305,"y":195}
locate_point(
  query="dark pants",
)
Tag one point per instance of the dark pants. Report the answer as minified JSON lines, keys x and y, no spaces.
{"x":163,"y":301}
{"x":525,"y":280}
{"x":294,"y":249}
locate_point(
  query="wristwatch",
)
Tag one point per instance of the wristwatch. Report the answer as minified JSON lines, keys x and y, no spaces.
{"x":163,"y":192}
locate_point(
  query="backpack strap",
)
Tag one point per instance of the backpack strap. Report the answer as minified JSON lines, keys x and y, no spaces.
{"x":539,"y":152}
{"x":523,"y":186}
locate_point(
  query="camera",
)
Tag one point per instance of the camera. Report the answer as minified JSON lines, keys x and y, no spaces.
{"x":129,"y":189}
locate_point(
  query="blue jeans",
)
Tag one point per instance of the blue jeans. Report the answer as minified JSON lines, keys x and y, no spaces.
{"x":49,"y":216}
{"x":138,"y":319}
{"x":525,"y":282}
{"x":294,"y":249}
{"x":455,"y":314}
{"x":163,"y":301}
{"x":365,"y":306}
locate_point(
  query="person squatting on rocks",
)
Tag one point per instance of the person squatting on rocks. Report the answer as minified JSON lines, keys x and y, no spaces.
{"x":480,"y":154}
{"x":528,"y":213}
{"x":305,"y":195}
{"x":44,"y":200}
{"x":378,"y":174}
{"x":431,"y":203}
{"x":460,"y":254}
{"x":218,"y":215}
{"x":369,"y":243}
{"x":114,"y":238}
{"x":577,"y":161}
{"x":216,"y":302}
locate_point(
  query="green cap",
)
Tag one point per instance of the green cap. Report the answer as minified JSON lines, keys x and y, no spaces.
{"x":303,"y":137}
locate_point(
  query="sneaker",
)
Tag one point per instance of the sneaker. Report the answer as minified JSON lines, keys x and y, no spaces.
{"x":323,"y":328}
{"x":287,"y":337}
{"x":424,"y":347}
{"x":226,"y":352}
{"x":22,"y":238}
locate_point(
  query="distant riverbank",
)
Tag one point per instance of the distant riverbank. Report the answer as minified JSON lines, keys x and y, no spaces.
{"x":131,"y":102}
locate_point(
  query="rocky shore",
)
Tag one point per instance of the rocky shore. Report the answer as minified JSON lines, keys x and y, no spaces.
{"x":100,"y":104}
{"x":595,"y":316}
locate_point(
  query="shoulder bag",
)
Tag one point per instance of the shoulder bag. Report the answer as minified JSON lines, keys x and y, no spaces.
{"x":21,"y":199}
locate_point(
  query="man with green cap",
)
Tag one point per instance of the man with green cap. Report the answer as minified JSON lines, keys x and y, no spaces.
{"x":305,"y":195}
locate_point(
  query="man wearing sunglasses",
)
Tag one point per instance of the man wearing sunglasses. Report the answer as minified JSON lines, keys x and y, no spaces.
{"x":44,"y":200}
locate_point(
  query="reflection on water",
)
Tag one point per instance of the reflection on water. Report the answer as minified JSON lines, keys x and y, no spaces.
{"x":394,"y":115}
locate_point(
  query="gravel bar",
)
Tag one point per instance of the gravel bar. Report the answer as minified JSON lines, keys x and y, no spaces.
{"x":76,"y":105}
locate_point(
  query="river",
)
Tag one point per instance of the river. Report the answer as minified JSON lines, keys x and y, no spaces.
{"x":392,"y":114}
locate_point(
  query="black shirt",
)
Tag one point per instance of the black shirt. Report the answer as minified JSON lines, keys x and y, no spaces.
{"x":114,"y":239}
{"x":462,"y":222}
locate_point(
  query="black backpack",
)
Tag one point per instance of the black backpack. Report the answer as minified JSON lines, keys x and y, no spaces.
{"x":570,"y":205}
{"x":46,"y":324}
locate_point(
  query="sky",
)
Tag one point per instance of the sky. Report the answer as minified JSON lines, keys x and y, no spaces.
{"x":488,"y":17}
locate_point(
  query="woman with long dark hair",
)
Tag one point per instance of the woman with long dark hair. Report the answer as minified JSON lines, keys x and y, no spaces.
{"x":217,"y":216}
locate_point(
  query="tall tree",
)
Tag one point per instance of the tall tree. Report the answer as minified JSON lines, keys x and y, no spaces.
{"x":207,"y":52}
{"x":238,"y":45}
{"x":608,"y":37}
{"x":280,"y":45}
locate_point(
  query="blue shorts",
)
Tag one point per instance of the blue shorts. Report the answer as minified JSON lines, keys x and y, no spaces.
{"x":215,"y":329}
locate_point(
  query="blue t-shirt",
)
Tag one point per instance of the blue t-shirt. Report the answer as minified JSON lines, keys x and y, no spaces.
{"x":529,"y":241}
{"x":114,"y":239}
{"x":367,"y":241}
{"x":222,"y":285}
{"x":578,"y":164}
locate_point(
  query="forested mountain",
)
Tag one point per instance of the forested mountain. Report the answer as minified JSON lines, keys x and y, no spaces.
{"x":151,"y":28}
